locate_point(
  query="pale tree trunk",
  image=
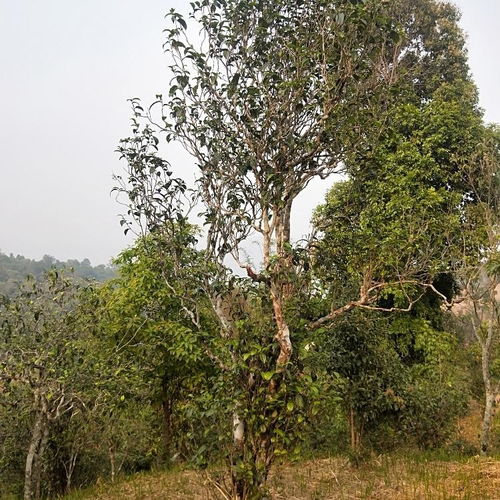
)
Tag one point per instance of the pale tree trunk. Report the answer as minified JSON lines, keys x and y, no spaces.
{"x":112,"y":463}
{"x":276,"y":233}
{"x":222,"y":307}
{"x":70,"y":468}
{"x":283,"y":331}
{"x":36,"y":437}
{"x":33,"y":457}
{"x":486,"y":425}
{"x":489,"y":393}
{"x":239,"y":485}
{"x":238,"y":432}
{"x":37,"y":470}
{"x":486,"y":342}
{"x":280,"y":288}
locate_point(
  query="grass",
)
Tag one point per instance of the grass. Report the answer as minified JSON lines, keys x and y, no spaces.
{"x":415,"y":476}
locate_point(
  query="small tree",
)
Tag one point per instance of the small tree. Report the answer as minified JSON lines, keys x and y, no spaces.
{"x":43,"y":347}
{"x":161,"y":327}
{"x":480,"y":275}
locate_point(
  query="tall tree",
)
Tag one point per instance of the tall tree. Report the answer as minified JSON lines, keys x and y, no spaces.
{"x":401,"y":211}
{"x":274,"y":95}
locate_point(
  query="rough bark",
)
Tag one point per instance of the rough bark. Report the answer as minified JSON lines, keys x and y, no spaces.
{"x":279,"y":287}
{"x":283,"y":331}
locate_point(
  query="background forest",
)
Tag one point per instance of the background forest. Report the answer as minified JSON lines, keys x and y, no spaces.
{"x":378,"y":333}
{"x":14,"y":269}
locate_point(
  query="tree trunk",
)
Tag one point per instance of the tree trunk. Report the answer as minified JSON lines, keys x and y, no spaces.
{"x":486,"y":341}
{"x":70,"y":469}
{"x":238,"y":432}
{"x":280,"y":288}
{"x":31,"y":457}
{"x":112,"y":463}
{"x":352,"y":429}
{"x":167,"y":425}
{"x":239,"y":483}
{"x":488,"y":392}
{"x":486,"y":425}
{"x":37,"y":469}
{"x":489,"y":397}
{"x":356,"y":431}
{"x":283,"y":331}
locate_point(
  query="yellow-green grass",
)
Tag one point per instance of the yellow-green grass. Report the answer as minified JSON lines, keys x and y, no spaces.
{"x":382,"y":477}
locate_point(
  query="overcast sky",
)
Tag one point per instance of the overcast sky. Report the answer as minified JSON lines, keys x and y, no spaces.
{"x":67,"y":68}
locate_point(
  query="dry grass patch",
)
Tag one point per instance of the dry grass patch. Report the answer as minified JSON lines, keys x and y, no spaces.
{"x":388,"y":477}
{"x":384,"y":477}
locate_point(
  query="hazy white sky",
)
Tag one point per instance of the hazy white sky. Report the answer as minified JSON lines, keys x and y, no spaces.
{"x":67,"y":68}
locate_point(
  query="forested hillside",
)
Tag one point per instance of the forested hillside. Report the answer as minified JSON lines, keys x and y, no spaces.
{"x":14,"y":269}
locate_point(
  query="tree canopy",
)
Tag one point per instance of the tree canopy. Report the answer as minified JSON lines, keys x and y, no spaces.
{"x":194,"y":353}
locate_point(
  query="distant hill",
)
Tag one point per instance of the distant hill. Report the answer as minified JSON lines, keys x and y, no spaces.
{"x":14,"y":269}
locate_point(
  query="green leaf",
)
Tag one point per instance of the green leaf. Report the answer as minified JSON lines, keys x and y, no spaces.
{"x":267,"y":375}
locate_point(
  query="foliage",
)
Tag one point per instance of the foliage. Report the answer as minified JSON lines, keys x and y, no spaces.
{"x":399,"y":217}
{"x":180,"y":358}
{"x":398,"y":380}
{"x":45,"y":369}
{"x":272,"y":96}
{"x":401,"y":211}
{"x":63,"y":398}
{"x":479,"y":276}
{"x":145,"y":314}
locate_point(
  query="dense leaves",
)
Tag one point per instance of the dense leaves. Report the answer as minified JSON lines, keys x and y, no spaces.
{"x":181,"y":358}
